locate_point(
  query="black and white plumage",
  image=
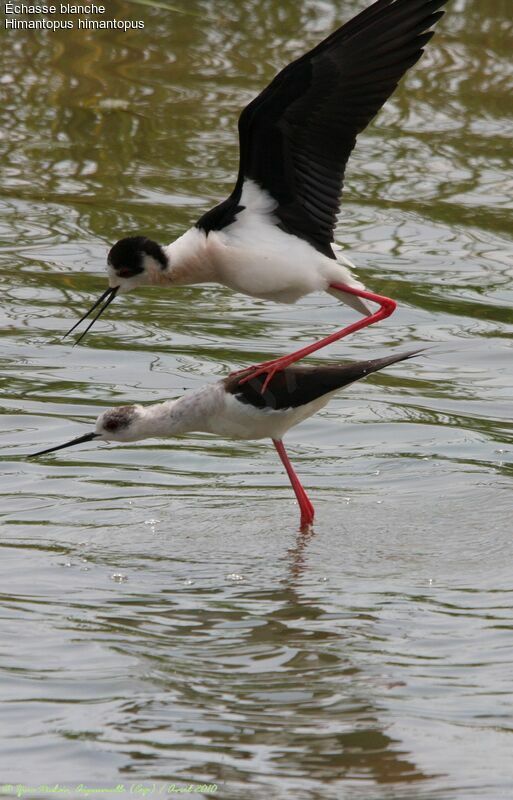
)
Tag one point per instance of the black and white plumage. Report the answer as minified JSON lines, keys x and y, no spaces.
{"x":272,"y":238}
{"x":240,"y":409}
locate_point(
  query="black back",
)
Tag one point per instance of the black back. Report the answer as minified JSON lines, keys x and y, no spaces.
{"x":297,"y":135}
{"x":298,"y":385}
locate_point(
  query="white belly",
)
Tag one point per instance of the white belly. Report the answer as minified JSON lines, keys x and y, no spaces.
{"x":236,"y":420}
{"x":264,"y":271}
{"x":256,"y":257}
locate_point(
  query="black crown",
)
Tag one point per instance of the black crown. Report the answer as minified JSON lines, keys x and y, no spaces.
{"x":126,"y":256}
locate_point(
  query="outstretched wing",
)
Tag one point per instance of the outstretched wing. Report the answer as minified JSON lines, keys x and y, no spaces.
{"x":298,"y":385}
{"x":297,"y":135}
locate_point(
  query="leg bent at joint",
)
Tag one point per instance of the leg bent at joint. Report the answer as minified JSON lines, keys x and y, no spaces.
{"x":387,"y":307}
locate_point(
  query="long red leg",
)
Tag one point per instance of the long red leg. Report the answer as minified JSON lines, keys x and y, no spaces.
{"x":386,"y":308}
{"x":307,"y":509}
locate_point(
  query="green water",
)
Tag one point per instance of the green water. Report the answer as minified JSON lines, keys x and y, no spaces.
{"x":162,"y":619}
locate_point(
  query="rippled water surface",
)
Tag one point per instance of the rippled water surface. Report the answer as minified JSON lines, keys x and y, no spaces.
{"x":162,"y":618}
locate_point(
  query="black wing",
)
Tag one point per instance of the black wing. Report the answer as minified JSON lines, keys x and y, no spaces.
{"x":297,"y":135}
{"x":296,"y":386}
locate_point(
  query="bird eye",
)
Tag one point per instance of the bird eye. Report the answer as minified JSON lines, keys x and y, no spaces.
{"x":111,"y":425}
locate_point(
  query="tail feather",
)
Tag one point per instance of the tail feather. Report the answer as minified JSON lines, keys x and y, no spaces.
{"x":351,"y":300}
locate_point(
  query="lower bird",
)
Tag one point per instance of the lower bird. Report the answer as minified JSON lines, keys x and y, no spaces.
{"x":273,"y":237}
{"x":240,"y":409}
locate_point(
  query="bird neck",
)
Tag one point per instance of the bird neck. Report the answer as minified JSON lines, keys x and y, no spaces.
{"x":189,"y":260}
{"x":192,"y":412}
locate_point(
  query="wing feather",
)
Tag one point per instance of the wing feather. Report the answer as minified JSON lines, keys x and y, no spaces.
{"x":297,"y":135}
{"x":296,"y":386}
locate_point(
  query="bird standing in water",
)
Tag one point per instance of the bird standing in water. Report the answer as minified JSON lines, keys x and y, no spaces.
{"x":272,"y":238}
{"x":240,"y":409}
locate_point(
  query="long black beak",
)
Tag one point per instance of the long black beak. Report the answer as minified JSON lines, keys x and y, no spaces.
{"x":87,"y":437}
{"x":109,"y":294}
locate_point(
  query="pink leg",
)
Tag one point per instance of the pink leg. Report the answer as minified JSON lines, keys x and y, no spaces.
{"x":307,"y":509}
{"x":386,"y":308}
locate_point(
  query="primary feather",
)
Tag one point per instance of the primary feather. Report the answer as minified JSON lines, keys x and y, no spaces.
{"x":297,"y":135}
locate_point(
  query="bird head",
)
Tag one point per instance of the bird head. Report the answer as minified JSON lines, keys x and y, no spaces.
{"x":133,"y":261}
{"x":121,"y":424}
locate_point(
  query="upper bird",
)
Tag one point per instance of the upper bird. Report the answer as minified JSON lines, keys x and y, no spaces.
{"x":272,"y":237}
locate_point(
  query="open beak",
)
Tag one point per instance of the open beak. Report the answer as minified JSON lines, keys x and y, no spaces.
{"x":109,"y":296}
{"x":87,"y":437}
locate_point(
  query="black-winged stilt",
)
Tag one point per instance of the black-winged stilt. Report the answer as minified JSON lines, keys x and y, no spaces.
{"x":272,"y":237}
{"x":240,"y":409}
